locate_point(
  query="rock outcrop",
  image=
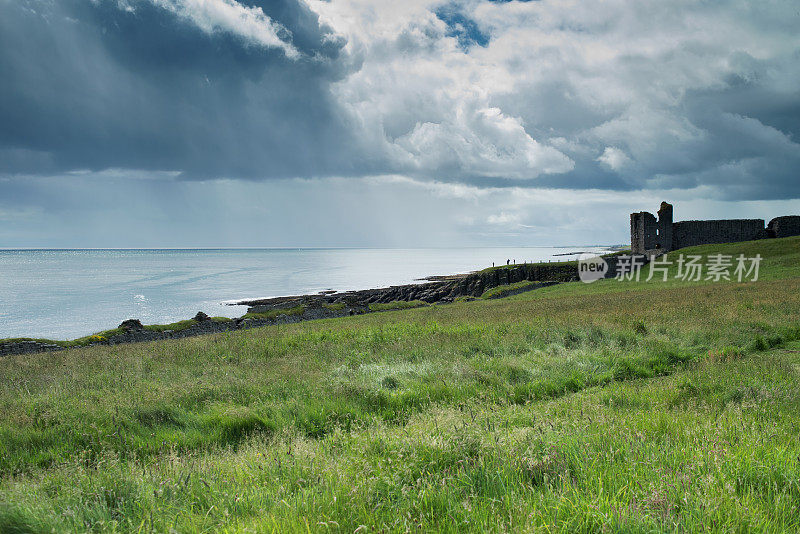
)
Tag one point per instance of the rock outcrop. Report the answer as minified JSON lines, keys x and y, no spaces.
{"x":441,"y":290}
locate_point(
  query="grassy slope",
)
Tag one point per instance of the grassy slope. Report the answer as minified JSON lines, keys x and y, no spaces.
{"x":273,"y":314}
{"x":504,"y":290}
{"x":640,"y":406}
{"x":396,"y":305}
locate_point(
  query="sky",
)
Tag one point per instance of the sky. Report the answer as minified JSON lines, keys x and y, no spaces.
{"x":366,"y":123}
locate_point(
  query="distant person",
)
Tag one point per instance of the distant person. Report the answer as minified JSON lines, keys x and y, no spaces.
{"x":508,"y":262}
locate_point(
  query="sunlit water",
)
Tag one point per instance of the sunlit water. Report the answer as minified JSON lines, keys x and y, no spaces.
{"x":64,"y":294}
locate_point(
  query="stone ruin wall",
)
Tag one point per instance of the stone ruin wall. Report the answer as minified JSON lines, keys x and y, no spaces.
{"x":691,"y":233}
{"x":786,"y":226}
{"x":652,"y":236}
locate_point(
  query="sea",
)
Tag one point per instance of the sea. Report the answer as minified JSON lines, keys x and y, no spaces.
{"x":64,"y":294}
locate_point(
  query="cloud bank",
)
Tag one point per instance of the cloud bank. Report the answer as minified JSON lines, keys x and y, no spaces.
{"x":558,"y":94}
{"x":689,"y":99}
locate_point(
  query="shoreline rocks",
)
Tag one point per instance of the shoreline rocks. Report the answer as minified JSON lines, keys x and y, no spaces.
{"x":442,"y":289}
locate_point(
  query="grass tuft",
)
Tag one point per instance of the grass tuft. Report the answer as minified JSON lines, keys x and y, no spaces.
{"x":274,"y":314}
{"x":397,"y":305}
{"x":505,"y":290}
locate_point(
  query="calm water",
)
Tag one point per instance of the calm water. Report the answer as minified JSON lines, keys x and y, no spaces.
{"x":65,"y":294}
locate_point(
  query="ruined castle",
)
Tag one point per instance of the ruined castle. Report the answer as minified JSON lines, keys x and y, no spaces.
{"x":654,"y":236}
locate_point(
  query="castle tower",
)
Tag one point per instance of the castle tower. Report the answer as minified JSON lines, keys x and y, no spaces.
{"x":643,"y":232}
{"x":665,"y":227}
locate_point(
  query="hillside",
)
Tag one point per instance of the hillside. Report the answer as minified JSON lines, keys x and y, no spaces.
{"x":637,"y":406}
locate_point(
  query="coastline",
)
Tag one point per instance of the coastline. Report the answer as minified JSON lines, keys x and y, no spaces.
{"x":510,"y":279}
{"x":74,"y":293}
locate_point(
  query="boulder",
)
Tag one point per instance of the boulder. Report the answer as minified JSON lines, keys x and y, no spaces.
{"x":201,"y":317}
{"x":132,"y":324}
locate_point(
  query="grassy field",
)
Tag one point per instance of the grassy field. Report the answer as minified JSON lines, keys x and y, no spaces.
{"x":613,"y":406}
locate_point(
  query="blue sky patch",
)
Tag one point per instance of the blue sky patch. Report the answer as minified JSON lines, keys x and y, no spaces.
{"x":463,"y":28}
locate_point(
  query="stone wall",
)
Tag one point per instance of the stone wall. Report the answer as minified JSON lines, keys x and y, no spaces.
{"x":691,"y":233}
{"x":666,"y":228}
{"x":27,"y":347}
{"x":650,"y":235}
{"x":644,"y":231}
{"x":786,"y":226}
{"x":653,"y":236}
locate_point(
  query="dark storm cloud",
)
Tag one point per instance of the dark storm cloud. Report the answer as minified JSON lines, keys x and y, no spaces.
{"x":738,"y":136}
{"x":639,"y":96}
{"x":91,"y":85}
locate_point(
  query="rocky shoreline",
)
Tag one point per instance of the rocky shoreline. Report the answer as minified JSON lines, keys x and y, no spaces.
{"x":294,"y":309}
{"x":441,"y":289}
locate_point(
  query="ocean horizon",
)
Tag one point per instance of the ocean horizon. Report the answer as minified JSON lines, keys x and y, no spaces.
{"x":61,"y":293}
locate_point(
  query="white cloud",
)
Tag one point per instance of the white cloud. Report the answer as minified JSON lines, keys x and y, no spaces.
{"x":614,"y":158}
{"x":249,"y":23}
{"x":504,"y":219}
{"x":613,"y":82}
{"x":424,"y":103}
{"x":482,"y":142}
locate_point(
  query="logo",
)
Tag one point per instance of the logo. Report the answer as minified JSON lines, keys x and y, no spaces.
{"x":591,"y":268}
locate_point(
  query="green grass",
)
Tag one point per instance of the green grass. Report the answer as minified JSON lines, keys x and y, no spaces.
{"x":273,"y":314}
{"x":397,"y":305}
{"x":176,"y":327}
{"x":504,"y":290}
{"x":181,"y":325}
{"x":335,"y":306}
{"x":781,"y":259}
{"x":613,"y":406}
{"x":563,"y":263}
